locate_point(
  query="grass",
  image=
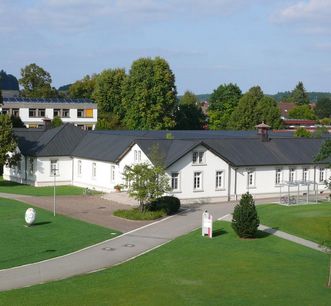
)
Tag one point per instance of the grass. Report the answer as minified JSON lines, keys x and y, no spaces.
{"x":195,"y":270}
{"x":136,"y":214}
{"x":307,"y":221}
{"x":49,"y":237}
{"x":15,"y":188}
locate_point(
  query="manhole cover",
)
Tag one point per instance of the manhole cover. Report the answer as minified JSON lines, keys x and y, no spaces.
{"x":129,"y":245}
{"x":113,"y":233}
{"x":102,"y":207}
{"x":84,"y":212}
{"x":108,"y":249}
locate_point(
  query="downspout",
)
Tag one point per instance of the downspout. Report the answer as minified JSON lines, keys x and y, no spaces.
{"x":72,"y":171}
{"x":235,"y":184}
{"x":315,"y":184}
{"x":229,"y":183}
{"x":26,"y":169}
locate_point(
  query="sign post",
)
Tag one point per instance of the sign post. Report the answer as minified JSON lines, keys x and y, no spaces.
{"x":207,"y":224}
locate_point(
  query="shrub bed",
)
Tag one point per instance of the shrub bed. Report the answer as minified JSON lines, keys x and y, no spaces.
{"x":170,"y":204}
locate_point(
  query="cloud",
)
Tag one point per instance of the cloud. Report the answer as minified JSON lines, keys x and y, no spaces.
{"x":74,"y":15}
{"x":312,"y":16}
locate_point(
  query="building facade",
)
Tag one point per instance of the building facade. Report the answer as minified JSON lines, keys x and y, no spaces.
{"x":81,"y":112}
{"x":202,"y":167}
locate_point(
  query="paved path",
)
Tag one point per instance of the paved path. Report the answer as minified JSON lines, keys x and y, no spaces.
{"x":110,"y":252}
{"x":278,"y":233}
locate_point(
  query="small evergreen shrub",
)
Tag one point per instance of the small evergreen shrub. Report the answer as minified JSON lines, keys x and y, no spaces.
{"x":245,"y":220}
{"x":170,"y":204}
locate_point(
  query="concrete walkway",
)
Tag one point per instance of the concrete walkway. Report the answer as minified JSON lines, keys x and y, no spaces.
{"x":110,"y":252}
{"x":278,"y":233}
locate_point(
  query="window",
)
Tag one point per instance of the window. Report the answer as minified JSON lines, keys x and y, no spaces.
{"x":197,"y":181}
{"x":80,"y":113}
{"x":94,"y":169}
{"x":278,"y":177}
{"x":56,"y":112}
{"x":198,"y":158}
{"x":31,"y":166}
{"x":89,"y":113}
{"x":15,"y":112}
{"x":41,"y":112}
{"x":322,"y":175}
{"x":219,"y":179}
{"x":305,"y":174}
{"x":79,"y":170}
{"x":137,"y":155}
{"x":32,"y":112}
{"x":251,"y":178}
{"x":65,"y":113}
{"x":54,"y":170}
{"x":5,"y":111}
{"x":291,"y":175}
{"x":19,"y":166}
{"x":112,"y":173}
{"x":175,"y":181}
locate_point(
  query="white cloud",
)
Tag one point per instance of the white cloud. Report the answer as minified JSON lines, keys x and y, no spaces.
{"x":74,"y":15}
{"x":312,"y":16}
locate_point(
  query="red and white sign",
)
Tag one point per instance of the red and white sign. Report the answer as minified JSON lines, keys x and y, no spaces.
{"x":207,"y":224}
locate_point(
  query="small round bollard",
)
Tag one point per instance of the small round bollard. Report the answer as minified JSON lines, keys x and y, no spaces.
{"x":30,"y":216}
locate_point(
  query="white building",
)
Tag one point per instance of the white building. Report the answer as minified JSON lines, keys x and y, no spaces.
{"x":203,"y":166}
{"x":80,"y":112}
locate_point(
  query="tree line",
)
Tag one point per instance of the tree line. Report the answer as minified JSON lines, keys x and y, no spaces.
{"x":145,"y":98}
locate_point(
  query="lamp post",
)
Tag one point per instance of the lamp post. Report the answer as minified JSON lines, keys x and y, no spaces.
{"x":54,"y":173}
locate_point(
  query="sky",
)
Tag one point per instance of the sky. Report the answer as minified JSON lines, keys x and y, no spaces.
{"x":271,"y":43}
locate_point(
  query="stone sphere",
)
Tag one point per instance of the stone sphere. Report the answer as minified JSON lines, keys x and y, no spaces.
{"x":30,"y":216}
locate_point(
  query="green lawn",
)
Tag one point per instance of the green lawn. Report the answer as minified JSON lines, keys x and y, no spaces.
{"x":195,"y":270}
{"x":49,"y":237}
{"x":307,"y":221}
{"x":15,"y":188}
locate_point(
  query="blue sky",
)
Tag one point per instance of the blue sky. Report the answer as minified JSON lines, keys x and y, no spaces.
{"x":271,"y":43}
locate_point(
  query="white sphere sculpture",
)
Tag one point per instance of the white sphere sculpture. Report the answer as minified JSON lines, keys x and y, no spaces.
{"x":30,"y":216}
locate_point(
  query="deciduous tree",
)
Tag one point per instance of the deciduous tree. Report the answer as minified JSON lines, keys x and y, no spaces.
{"x":189,"y":115}
{"x":302,"y":112}
{"x":146,"y":183}
{"x":83,"y":88}
{"x":149,"y":95}
{"x":323,"y":107}
{"x":8,"y":154}
{"x":222,"y":102}
{"x":36,"y":82}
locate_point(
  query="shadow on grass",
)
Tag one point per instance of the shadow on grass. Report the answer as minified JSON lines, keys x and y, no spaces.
{"x":219,"y":232}
{"x":266,"y":233}
{"x":41,"y":223}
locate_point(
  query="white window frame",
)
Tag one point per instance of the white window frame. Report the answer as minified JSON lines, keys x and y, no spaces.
{"x":305,"y":174}
{"x":112,"y":173}
{"x":139,"y":156}
{"x":175,"y":177}
{"x":219,"y":179}
{"x":291,"y":175}
{"x":278,"y":176}
{"x":79,"y":168}
{"x":94,"y":170}
{"x":199,"y":157}
{"x":54,"y":167}
{"x":251,"y":178}
{"x":322,"y":174}
{"x":197,"y":178}
{"x":31,"y":166}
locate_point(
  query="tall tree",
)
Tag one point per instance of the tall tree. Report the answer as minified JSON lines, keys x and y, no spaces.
{"x":222,"y":102}
{"x":323,"y":107}
{"x":302,"y":112}
{"x":36,"y":82}
{"x":299,"y":95}
{"x":7,"y":142}
{"x":149,"y":95}
{"x":244,"y":116}
{"x":189,"y":115}
{"x":8,"y":81}
{"x":268,"y":112}
{"x":108,"y":91}
{"x":82,"y":88}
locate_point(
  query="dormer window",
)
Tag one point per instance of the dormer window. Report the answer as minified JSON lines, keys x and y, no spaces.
{"x":198,"y":158}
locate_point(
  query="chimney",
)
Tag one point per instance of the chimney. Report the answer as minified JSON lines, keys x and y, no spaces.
{"x":47,"y":123}
{"x":262,"y":130}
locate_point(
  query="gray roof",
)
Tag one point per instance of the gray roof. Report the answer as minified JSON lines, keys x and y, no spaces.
{"x":246,"y":149}
{"x":44,"y":100}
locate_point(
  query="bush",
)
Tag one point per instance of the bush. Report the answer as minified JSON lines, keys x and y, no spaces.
{"x":136,"y":214}
{"x":170,"y":204}
{"x":245,"y":220}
